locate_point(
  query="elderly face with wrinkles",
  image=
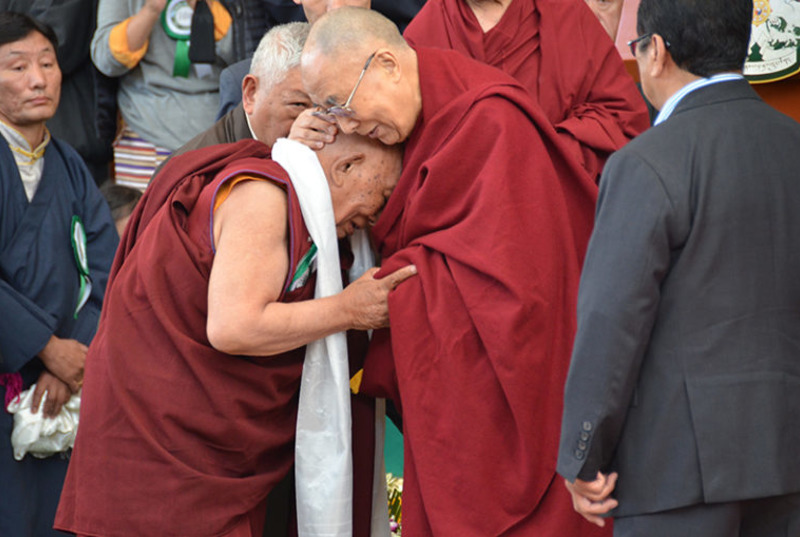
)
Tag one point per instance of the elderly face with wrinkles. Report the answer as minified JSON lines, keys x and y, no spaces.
{"x":30,"y":81}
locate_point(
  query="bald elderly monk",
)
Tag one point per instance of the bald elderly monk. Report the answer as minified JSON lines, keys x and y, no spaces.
{"x":190,"y":397}
{"x":274,"y":97}
{"x":495,"y":215}
{"x":559,"y":52}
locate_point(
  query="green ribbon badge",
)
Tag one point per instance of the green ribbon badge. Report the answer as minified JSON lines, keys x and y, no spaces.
{"x":78,"y":238}
{"x":177,"y":22}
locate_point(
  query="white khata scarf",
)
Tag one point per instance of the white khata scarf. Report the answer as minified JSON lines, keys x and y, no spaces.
{"x":323,"y":455}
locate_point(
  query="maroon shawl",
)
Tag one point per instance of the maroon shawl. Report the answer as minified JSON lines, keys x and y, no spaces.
{"x":496,"y":219}
{"x":560,"y":53}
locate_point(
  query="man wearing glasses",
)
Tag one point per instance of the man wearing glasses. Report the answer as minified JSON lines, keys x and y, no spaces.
{"x":683,"y":392}
{"x":495,"y":217}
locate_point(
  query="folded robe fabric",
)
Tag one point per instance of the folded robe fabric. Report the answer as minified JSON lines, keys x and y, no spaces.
{"x":560,"y":53}
{"x":496,"y":216}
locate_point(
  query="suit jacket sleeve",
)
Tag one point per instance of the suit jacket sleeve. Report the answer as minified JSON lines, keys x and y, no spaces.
{"x":627,"y":259}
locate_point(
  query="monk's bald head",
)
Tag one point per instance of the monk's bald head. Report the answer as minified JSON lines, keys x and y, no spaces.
{"x":342,"y":32}
{"x":346,"y":144}
{"x":361,"y":174}
{"x":358,"y":55}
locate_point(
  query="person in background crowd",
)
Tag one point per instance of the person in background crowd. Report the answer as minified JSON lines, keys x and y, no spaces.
{"x":273,"y":93}
{"x":57,"y":241}
{"x":609,"y":13}
{"x":559,"y":52}
{"x":164,"y":97}
{"x":681,"y":402}
{"x":76,"y":118}
{"x":495,"y":212}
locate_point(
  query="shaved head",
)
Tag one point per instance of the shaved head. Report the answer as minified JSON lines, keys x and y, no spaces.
{"x":350,"y":143}
{"x":349,"y":29}
{"x":357,"y":57}
{"x":361,"y":174}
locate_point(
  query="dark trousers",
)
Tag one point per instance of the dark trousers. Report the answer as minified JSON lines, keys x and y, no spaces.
{"x":778,"y":516}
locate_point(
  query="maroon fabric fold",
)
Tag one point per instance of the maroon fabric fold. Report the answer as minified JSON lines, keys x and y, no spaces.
{"x":560,"y":53}
{"x":495,"y":214}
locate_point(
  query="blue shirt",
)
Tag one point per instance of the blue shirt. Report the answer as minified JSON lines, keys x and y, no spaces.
{"x":676,"y":98}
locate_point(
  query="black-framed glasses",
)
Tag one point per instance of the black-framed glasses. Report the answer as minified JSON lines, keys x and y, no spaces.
{"x":345,"y":110}
{"x":633,"y":43}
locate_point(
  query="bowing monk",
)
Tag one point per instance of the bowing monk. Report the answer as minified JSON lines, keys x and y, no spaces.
{"x":494,"y":212}
{"x":557,"y":50}
{"x":190,"y":397}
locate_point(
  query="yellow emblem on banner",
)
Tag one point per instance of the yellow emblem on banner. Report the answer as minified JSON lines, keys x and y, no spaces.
{"x":774,"y":49}
{"x":761,"y":12}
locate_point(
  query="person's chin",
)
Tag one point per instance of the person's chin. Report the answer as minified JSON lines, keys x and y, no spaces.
{"x":388,"y":137}
{"x":35,"y":114}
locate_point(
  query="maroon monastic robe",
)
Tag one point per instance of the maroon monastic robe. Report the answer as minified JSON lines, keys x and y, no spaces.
{"x":559,"y":51}
{"x":177,"y":438}
{"x":495,"y":216}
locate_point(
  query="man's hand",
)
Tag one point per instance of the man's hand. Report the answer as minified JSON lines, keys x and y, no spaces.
{"x":609,"y":12}
{"x":591,"y":498}
{"x":57,"y":395}
{"x":65,"y":359}
{"x":367,"y":298}
{"x":313,"y":129}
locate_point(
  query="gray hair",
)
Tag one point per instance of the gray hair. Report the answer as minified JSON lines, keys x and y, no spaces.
{"x":278,"y":52}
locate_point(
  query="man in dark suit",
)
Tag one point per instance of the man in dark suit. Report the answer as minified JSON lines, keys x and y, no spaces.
{"x":684,"y":387}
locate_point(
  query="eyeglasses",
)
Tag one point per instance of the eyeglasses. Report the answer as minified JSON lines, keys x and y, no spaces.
{"x":632,"y":44}
{"x":345,"y":110}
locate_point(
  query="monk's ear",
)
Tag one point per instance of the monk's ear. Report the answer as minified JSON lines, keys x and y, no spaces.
{"x":389,"y":63}
{"x":344,"y":168}
{"x":249,"y":89}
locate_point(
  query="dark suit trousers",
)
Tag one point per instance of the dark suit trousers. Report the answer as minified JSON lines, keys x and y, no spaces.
{"x":778,"y":516}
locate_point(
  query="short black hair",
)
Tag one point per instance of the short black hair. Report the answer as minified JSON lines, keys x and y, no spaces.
{"x":705,"y":37}
{"x":17,"y":26}
{"x":121,"y":199}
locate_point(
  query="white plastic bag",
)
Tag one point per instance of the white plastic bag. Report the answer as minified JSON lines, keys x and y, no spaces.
{"x":40,"y":436}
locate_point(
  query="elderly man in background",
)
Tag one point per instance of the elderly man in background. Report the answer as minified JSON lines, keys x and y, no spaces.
{"x":495,"y":213}
{"x":57,"y":241}
{"x":272,"y":93}
{"x":558,"y":52}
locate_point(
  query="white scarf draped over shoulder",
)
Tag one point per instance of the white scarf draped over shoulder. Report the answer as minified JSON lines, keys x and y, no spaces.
{"x":323,"y":454}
